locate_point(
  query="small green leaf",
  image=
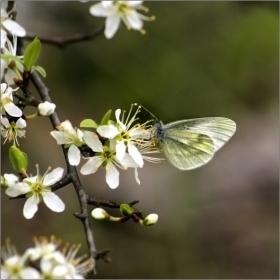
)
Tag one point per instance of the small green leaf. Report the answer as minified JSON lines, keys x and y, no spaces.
{"x":126,"y":210}
{"x":18,"y":159}
{"x":106,"y":118}
{"x":31,"y":54}
{"x":88,"y":123}
{"x":41,"y":70}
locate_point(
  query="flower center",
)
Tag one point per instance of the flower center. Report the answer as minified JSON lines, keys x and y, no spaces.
{"x":37,"y":187}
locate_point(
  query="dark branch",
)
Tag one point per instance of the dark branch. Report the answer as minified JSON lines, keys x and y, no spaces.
{"x":67,"y":40}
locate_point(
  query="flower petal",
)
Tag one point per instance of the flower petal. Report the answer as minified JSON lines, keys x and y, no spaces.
{"x":134,"y":20}
{"x":13,"y":110}
{"x":53,"y":177}
{"x":21,"y":123}
{"x":112,"y":176}
{"x":136,"y":175}
{"x":74,"y":155}
{"x":120,"y":150}
{"x":59,"y":136}
{"x":91,"y":166}
{"x":14,"y":28}
{"x":133,"y":151}
{"x":134,"y":3}
{"x":17,"y":189}
{"x":108,"y":131}
{"x":112,"y":25}
{"x":93,"y":141}
{"x":5,"y":122}
{"x":53,"y":201}
{"x":30,"y":273}
{"x":30,"y":207}
{"x":100,"y":10}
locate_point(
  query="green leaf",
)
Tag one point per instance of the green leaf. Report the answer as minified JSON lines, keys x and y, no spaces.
{"x":106,"y":118}
{"x":41,"y":70}
{"x":18,"y":159}
{"x":88,"y":123}
{"x":31,"y":54}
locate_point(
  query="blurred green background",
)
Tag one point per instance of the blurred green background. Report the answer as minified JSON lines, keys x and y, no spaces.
{"x":198,"y":59}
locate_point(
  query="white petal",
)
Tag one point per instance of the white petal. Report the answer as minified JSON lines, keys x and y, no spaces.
{"x":21,"y":123}
{"x":108,"y":131}
{"x":5,"y":122}
{"x":133,"y":151}
{"x":74,"y":155}
{"x":112,"y":176}
{"x":91,"y":166}
{"x":128,"y":161}
{"x":13,"y":110}
{"x":80,"y":134}
{"x":30,"y":273}
{"x":99,"y":10}
{"x":134,"y":3}
{"x":59,"y":271}
{"x":9,"y":76}
{"x":30,"y":207}
{"x":3,"y":38}
{"x":4,"y":65}
{"x":136,"y":175}
{"x":53,"y":177}
{"x":133,"y":19}
{"x":117,"y":114}
{"x":66,"y":125}
{"x":59,"y":136}
{"x":17,"y":189}
{"x":112,"y":25}
{"x":120,"y":150}
{"x":14,"y":27}
{"x":53,"y":202}
{"x":93,"y":141}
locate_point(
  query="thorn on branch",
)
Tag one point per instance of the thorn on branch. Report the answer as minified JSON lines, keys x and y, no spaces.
{"x":79,"y":216}
{"x":103,"y":254}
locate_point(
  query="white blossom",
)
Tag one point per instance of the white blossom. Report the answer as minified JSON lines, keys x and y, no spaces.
{"x":150,"y":220}
{"x":11,"y":131}
{"x":38,"y":188}
{"x":131,"y":137}
{"x":115,"y":11}
{"x":7,"y":105}
{"x":71,"y":138}
{"x":46,"y":108}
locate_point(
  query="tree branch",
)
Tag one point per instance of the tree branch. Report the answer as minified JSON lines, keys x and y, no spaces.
{"x":63,"y":41}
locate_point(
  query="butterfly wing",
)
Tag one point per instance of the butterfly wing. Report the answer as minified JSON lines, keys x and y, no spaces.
{"x":187,"y":150}
{"x":219,"y":129}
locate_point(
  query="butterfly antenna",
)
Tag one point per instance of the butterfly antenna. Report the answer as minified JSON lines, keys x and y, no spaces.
{"x":148,"y":112}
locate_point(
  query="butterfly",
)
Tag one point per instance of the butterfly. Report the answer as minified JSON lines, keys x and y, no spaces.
{"x":189,"y":144}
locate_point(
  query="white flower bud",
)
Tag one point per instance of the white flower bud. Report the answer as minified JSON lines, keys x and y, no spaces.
{"x":150,"y":220}
{"x":99,"y":214}
{"x":46,"y":108}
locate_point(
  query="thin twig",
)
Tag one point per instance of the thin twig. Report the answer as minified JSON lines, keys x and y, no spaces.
{"x":70,"y":39}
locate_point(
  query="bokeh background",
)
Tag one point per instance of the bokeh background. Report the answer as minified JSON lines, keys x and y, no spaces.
{"x":198,"y":59}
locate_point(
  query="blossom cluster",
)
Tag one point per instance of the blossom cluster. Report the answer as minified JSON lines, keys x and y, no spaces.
{"x":44,"y":261}
{"x":123,"y":143}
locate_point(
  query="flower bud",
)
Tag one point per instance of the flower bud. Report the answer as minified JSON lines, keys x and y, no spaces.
{"x":126,"y":210}
{"x":46,"y":108}
{"x":100,"y":214}
{"x":150,"y":220}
